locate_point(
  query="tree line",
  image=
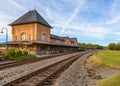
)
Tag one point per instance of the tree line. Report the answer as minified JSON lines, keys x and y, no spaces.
{"x":90,"y":46}
{"x":114,"y":46}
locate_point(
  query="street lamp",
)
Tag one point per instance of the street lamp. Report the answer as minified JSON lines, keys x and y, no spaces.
{"x":6,"y":36}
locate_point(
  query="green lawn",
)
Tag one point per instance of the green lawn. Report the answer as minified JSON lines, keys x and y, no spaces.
{"x":107,"y":58}
{"x":110,"y":59}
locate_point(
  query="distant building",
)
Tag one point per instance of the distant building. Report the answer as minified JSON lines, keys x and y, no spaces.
{"x":32,"y":33}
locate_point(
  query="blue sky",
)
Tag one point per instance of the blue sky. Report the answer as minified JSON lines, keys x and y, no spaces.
{"x":91,"y":21}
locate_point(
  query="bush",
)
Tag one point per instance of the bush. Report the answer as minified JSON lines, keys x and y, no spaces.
{"x":18,"y":52}
{"x":11,"y":52}
{"x":31,"y":56}
{"x":1,"y":52}
{"x":25,"y":53}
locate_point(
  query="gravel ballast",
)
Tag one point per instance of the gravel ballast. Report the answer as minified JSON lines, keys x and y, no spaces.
{"x":75,"y":75}
{"x":11,"y":74}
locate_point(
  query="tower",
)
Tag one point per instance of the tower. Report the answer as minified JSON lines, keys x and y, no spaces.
{"x":30,"y":26}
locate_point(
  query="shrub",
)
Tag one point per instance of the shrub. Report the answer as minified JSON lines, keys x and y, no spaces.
{"x":25,"y":53}
{"x":10,"y":52}
{"x":1,"y":52}
{"x":18,"y":52}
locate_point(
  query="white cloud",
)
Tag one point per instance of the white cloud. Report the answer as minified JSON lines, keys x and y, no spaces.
{"x":113,"y":20}
{"x":115,"y":8}
{"x":6,"y":17}
{"x":73,"y":15}
{"x":17,"y":5}
{"x":91,"y":31}
{"x":114,"y":14}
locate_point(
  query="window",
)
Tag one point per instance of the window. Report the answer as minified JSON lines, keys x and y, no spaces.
{"x":30,"y":37}
{"x":23,"y":36}
{"x":54,"y":40}
{"x":16,"y":38}
{"x":43,"y":37}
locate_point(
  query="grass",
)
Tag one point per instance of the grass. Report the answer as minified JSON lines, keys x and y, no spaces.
{"x":106,"y":58}
{"x":22,"y":57}
{"x":113,"y":81}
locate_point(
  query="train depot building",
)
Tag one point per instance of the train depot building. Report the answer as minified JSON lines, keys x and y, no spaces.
{"x":31,"y":32}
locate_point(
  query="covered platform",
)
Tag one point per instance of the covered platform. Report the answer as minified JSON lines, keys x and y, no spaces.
{"x":40,"y":47}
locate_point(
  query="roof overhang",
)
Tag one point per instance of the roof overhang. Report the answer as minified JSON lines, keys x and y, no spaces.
{"x":37,"y":42}
{"x":29,"y":23}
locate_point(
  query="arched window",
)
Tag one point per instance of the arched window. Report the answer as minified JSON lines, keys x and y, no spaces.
{"x":23,"y":36}
{"x":43,"y":37}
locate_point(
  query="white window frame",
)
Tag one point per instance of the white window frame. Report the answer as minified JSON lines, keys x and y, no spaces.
{"x":23,"y":36}
{"x":43,"y":37}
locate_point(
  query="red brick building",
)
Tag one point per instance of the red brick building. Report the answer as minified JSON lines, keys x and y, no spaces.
{"x":33,"y":33}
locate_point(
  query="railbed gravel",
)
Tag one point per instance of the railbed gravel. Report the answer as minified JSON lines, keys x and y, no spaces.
{"x":75,"y":75}
{"x":11,"y":74}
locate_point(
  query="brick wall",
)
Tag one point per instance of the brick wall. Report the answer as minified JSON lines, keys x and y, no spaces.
{"x":43,"y":29}
{"x":29,"y":29}
{"x":36,"y":30}
{"x":33,"y":29}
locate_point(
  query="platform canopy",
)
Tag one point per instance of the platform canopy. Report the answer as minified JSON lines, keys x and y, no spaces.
{"x":36,"y":42}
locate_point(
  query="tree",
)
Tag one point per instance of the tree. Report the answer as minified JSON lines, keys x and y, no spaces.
{"x":118,"y":46}
{"x":112,"y":46}
{"x":90,"y":46}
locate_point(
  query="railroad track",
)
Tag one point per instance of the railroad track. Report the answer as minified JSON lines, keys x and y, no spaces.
{"x":46,"y":75}
{"x":17,"y":63}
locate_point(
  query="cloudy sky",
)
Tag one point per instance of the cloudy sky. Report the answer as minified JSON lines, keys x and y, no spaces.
{"x":91,"y":21}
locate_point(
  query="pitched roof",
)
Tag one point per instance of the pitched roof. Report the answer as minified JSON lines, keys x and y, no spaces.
{"x":56,"y":37}
{"x":31,"y":17}
{"x":73,"y":39}
{"x":63,"y":38}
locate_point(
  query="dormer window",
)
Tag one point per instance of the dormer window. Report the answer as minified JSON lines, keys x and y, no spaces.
{"x":43,"y":37}
{"x":23,"y":36}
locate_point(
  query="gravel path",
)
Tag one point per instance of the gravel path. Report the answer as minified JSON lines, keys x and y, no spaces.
{"x":75,"y":75}
{"x":11,"y":74}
